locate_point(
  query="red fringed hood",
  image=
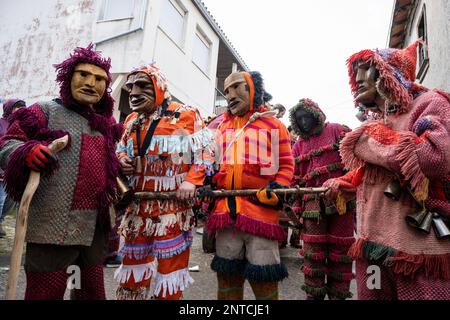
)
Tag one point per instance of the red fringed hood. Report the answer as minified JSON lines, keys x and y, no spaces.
{"x":397,"y":69}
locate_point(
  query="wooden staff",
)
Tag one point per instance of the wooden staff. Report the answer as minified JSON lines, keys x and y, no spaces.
{"x":22,"y":220}
{"x":230,"y":193}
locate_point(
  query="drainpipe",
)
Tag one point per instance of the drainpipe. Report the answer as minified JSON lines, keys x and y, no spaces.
{"x":140,"y":27}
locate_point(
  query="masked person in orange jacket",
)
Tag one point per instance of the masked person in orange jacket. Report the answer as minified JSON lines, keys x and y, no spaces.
{"x":156,"y":152}
{"x":256,"y":154}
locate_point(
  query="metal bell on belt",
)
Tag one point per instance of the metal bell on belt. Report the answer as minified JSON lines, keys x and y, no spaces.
{"x":440,"y":228}
{"x":425,"y":226}
{"x":416,"y":219}
{"x":393,"y":190}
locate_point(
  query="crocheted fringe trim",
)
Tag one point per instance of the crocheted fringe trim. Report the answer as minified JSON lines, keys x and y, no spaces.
{"x":267,"y":273}
{"x":258,"y":228}
{"x":217,"y":221}
{"x":142,"y":293}
{"x":168,"y":221}
{"x":136,"y":252}
{"x":246,"y":224}
{"x":132,"y":223}
{"x":327,"y":238}
{"x":317,"y":292}
{"x":163,"y":183}
{"x":348,"y":146}
{"x":341,"y":240}
{"x":339,"y":294}
{"x":314,"y":238}
{"x":181,"y":143}
{"x":309,"y":255}
{"x":222,"y":265}
{"x":410,"y":167}
{"x":159,"y":249}
{"x":172,"y":283}
{"x":341,"y":276}
{"x":166,"y":249}
{"x":340,"y":258}
{"x":313,"y":272}
{"x":140,"y":272}
{"x":311,"y":215}
{"x":433,"y":266}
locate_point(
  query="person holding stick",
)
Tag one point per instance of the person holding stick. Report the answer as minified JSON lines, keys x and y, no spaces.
{"x":69,"y":213}
{"x":164,"y":148}
{"x":256,"y":154}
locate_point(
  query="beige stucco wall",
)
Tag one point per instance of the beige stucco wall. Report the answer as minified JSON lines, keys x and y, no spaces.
{"x":34,"y":35}
{"x":438,"y":23}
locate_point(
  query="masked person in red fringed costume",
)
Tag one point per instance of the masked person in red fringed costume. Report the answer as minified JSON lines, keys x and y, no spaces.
{"x":327,"y":232}
{"x":400,"y":171}
{"x":68,"y":221}
{"x":162,"y":149}
{"x":256,"y":154}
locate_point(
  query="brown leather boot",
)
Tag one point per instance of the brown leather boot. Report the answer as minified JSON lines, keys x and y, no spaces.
{"x":231,"y":286}
{"x":265,"y":290}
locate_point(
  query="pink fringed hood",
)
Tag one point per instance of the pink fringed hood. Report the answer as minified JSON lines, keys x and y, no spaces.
{"x":397,"y":69}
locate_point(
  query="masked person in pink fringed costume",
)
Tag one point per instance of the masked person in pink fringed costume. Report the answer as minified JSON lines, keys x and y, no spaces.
{"x":68,"y":222}
{"x":327,"y":234}
{"x":400,"y":172}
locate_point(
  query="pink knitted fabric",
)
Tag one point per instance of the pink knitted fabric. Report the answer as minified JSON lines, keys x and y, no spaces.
{"x":397,"y":287}
{"x":414,"y":145}
{"x":330,"y":135}
{"x":327,"y":238}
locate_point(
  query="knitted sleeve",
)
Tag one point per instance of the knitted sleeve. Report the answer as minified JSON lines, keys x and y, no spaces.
{"x":346,"y":185}
{"x":28,"y":128}
{"x":285,"y":172}
{"x":418,"y":155}
{"x":423,"y":154}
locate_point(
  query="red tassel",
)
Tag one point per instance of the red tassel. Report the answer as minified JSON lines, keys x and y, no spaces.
{"x":217,"y":221}
{"x":314,"y":238}
{"x":356,"y":250}
{"x":341,"y":240}
{"x":259,"y":228}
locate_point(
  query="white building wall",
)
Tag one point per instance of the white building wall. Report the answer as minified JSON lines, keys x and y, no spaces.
{"x":186,"y":81}
{"x":438,"y":24}
{"x":34,"y":36}
{"x":48,"y":30}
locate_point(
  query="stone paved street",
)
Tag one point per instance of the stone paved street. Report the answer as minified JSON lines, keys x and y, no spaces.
{"x":204,"y":287}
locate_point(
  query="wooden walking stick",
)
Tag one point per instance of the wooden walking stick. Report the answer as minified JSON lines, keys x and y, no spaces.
{"x":230,"y":193}
{"x":22,"y":219}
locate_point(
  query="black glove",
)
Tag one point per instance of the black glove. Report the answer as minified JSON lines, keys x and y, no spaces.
{"x":205,"y":194}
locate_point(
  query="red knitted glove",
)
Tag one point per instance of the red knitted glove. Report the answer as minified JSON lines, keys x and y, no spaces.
{"x":39,"y":157}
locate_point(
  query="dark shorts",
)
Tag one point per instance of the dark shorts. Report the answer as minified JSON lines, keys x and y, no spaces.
{"x":50,"y":257}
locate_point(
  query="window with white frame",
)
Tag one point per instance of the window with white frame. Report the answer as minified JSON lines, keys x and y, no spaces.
{"x":201,"y":55}
{"x":173,"y":20}
{"x":423,"y":58}
{"x":117,"y":9}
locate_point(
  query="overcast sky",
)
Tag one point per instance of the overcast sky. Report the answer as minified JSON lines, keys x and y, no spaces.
{"x":300,"y":46}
